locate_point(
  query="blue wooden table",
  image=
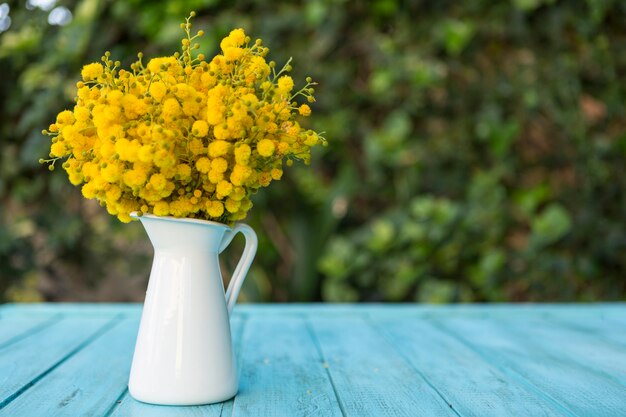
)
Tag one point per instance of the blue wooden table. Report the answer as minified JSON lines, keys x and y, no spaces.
{"x":334,"y":360}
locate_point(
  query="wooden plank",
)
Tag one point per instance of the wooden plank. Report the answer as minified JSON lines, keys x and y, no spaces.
{"x":282,"y":373}
{"x":128,"y":406}
{"x":16,"y":328}
{"x":577,"y":389}
{"x":612,"y":311}
{"x":70,"y":309}
{"x":598,"y":328}
{"x":87,"y":383}
{"x":369,"y":377}
{"x":559,"y":341}
{"x":471,"y":385}
{"x":26,"y":361}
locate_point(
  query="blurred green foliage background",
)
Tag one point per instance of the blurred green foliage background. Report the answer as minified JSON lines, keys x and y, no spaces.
{"x":476,"y":150}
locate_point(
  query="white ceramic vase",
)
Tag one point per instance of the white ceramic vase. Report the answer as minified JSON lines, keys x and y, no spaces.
{"x":184,"y":354}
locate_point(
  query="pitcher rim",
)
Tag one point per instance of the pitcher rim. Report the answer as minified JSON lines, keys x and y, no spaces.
{"x":135,"y":215}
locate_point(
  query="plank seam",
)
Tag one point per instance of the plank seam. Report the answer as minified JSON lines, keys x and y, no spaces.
{"x":385,"y":337}
{"x":318,"y":347}
{"x":238,"y":355}
{"x":510,"y":373}
{"x":36,"y":329}
{"x":106,"y":327}
{"x":224,"y":404}
{"x":116,"y":403}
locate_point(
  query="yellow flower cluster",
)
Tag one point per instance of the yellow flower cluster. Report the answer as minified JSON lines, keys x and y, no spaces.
{"x":183,"y":136}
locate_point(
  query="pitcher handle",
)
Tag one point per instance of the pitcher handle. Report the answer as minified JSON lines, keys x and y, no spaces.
{"x":241,"y":270}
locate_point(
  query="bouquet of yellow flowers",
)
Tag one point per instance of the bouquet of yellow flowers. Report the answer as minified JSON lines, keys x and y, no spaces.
{"x":182,"y":136}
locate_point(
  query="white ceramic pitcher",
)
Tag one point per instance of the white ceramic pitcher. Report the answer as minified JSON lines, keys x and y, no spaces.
{"x":184,"y":353}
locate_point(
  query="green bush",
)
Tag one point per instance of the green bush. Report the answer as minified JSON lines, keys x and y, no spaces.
{"x":476,"y":151}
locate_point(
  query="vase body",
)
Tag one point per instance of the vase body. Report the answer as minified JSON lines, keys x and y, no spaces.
{"x":184,"y":353}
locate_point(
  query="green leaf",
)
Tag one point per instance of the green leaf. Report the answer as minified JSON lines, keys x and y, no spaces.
{"x":551,"y":225}
{"x":456,"y":35}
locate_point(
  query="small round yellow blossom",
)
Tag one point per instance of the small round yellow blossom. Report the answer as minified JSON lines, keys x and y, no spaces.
{"x":145,"y":153}
{"x":161,"y":208}
{"x":196,"y":146}
{"x":232,"y":205}
{"x":207,"y":79}
{"x":156,"y":65}
{"x":265,"y":178}
{"x":215,"y":209}
{"x":158,"y":90}
{"x":114,"y":98}
{"x":58,"y":149}
{"x":311,"y":139}
{"x":233,"y":53}
{"x":200,"y":128}
{"x":171,"y":109}
{"x":240,"y":174}
{"x":113,"y":193}
{"x":235,"y":38}
{"x":218,"y":148}
{"x":65,"y":118}
{"x":183,"y":171}
{"x":76,"y":178}
{"x":242,"y":154}
{"x":158,"y":182}
{"x":219,"y":165}
{"x":91,"y":72}
{"x":192,"y":107}
{"x":265,"y":147}
{"x":134,"y":178}
{"x":221,"y":132}
{"x":203,"y":165}
{"x":238,"y":193}
{"x":81,"y":114}
{"x":133,"y":107}
{"x":89,"y":190}
{"x":276,"y":174}
{"x":111,"y":173}
{"x":127,"y":150}
{"x":304,"y":110}
{"x":223,"y":189}
{"x":285,"y":84}
{"x":215,"y":176}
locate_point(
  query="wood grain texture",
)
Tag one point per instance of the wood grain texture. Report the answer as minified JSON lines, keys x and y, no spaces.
{"x":578,"y":390}
{"x":70,"y":309}
{"x":87,"y":383}
{"x":468,"y":381}
{"x":334,"y":360}
{"x":555,"y":339}
{"x":603,"y":330}
{"x":369,"y":377}
{"x":28,"y":360}
{"x":12,"y":330}
{"x":282,"y":373}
